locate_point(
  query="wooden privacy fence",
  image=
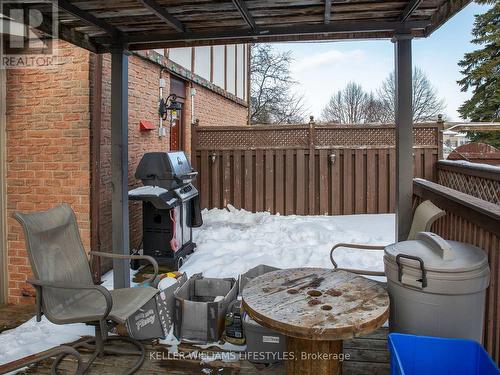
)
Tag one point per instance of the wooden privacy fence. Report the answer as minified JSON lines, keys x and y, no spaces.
{"x":475,"y":221}
{"x":306,"y":169}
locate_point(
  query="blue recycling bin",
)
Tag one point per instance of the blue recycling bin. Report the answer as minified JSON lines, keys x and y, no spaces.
{"x":418,"y":355}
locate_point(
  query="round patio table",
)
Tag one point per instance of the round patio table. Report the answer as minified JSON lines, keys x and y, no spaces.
{"x":316,"y":309}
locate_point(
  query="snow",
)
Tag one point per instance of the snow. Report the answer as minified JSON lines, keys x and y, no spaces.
{"x":472,"y":165}
{"x":231,"y":242}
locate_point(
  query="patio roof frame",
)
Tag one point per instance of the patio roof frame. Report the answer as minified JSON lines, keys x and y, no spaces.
{"x":402,"y":30}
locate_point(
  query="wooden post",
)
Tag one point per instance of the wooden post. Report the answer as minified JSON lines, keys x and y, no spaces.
{"x":404,"y":135}
{"x":119,"y":165}
{"x":440,"y":129}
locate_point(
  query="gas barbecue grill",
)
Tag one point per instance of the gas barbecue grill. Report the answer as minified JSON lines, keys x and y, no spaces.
{"x":170,"y":206}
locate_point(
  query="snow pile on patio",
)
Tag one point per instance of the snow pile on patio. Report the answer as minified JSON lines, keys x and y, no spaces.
{"x":231,"y":241}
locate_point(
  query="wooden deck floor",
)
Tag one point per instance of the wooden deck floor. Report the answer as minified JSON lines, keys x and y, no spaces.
{"x":368,"y":355}
{"x":13,"y":315}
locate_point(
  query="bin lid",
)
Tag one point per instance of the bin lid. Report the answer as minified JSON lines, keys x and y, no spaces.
{"x":437,"y":254}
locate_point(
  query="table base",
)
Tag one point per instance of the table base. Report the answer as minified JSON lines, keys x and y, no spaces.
{"x":314,"y":357}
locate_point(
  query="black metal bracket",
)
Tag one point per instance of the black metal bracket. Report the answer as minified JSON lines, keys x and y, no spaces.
{"x":423,"y":280}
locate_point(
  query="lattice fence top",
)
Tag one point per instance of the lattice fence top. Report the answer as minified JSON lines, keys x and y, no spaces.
{"x":466,"y":181}
{"x":304,"y":136}
{"x":220,"y":139}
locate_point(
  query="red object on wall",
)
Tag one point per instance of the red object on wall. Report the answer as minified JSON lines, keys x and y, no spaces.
{"x":145,"y":125}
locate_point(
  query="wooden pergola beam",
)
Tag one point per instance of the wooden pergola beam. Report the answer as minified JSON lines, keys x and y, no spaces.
{"x":328,"y":11}
{"x":164,"y":15}
{"x":245,"y":13}
{"x":409,"y":9}
{"x":300,"y":30}
{"x":87,"y":17}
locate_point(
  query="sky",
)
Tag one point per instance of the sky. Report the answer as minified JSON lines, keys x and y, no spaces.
{"x":323,"y":68}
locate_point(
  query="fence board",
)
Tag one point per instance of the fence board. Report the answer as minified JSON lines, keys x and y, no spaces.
{"x":348,"y":183}
{"x":248,"y":183}
{"x":290,"y":183}
{"x":371,"y":181}
{"x":392,"y":180}
{"x":216,"y":183}
{"x":237,"y":192}
{"x":204,"y":180}
{"x":269,"y":181}
{"x":383,"y":181}
{"x":306,"y":169}
{"x":300,"y":181}
{"x":279,"y":182}
{"x":226,"y":178}
{"x":336,"y":184}
{"x":323,"y":182}
{"x":259,"y":180}
{"x":359,"y":181}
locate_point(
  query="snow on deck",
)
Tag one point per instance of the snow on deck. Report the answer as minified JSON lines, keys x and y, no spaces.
{"x":229,"y":243}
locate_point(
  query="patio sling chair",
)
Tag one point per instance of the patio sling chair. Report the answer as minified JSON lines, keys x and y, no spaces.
{"x":425,"y":215}
{"x":65,"y":292}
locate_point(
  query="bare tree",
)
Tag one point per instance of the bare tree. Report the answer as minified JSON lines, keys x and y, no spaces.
{"x":272,"y":99}
{"x":426,"y":104}
{"x":352,"y":105}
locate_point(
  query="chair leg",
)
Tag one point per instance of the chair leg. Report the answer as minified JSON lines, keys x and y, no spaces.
{"x":100,"y":349}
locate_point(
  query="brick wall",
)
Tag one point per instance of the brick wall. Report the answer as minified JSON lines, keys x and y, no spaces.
{"x":49,"y":142}
{"x":212,"y":109}
{"x":47,"y":152}
{"x":143,"y":105}
{"x":144,"y":75}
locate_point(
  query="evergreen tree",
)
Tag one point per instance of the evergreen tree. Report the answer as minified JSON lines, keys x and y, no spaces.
{"x":481,"y":70}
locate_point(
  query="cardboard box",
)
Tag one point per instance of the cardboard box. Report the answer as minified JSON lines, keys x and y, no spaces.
{"x":200,"y":308}
{"x":156,"y":317}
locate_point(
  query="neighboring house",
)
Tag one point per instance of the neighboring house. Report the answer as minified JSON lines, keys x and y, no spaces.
{"x":58,"y":134}
{"x":452,"y":140}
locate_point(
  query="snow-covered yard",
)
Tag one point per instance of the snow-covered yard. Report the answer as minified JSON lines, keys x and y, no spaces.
{"x":231,"y":242}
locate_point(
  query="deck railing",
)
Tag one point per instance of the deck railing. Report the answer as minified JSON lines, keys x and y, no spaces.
{"x":479,"y":180}
{"x":475,"y":221}
{"x":306,"y":169}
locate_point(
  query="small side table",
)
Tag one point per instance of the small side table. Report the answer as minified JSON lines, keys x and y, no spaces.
{"x":316,"y":309}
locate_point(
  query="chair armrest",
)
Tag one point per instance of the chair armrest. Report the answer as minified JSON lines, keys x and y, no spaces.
{"x":39,"y":285}
{"x":123,"y":256}
{"x":359,"y":247}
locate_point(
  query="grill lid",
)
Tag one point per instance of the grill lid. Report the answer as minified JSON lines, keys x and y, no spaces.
{"x":159,"y":168}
